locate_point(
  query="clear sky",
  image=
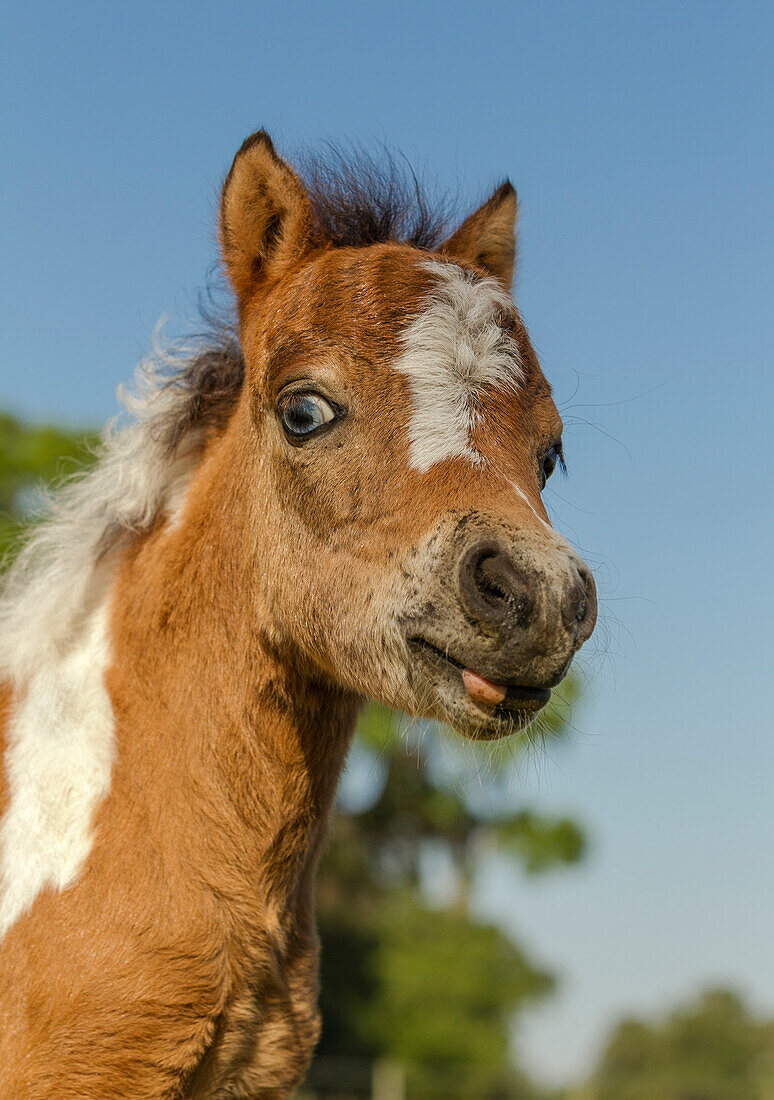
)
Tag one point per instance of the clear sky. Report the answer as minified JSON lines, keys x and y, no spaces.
{"x":639,"y":136}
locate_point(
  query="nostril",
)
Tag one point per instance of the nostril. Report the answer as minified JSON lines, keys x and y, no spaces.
{"x":574,"y":603}
{"x":488,"y":578}
{"x":586,"y":607}
{"x":491,"y":587}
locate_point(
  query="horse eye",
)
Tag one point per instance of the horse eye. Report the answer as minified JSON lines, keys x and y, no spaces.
{"x":548,"y":465}
{"x":302,"y":414}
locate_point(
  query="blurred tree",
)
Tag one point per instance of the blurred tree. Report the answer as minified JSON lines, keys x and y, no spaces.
{"x":714,"y":1049}
{"x":30,"y":456}
{"x":408,"y":975}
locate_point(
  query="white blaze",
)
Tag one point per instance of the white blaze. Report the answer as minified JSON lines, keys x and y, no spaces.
{"x":453,"y":350}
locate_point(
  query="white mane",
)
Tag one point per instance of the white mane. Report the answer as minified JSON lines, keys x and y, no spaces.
{"x":60,"y":575}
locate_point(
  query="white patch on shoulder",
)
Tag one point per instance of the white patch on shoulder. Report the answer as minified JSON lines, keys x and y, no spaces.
{"x":53,"y":630}
{"x":453,"y":350}
{"x":59,"y":756}
{"x":58,"y":764}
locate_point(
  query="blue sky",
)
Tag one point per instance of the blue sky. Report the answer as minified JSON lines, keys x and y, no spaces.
{"x":639,"y":138}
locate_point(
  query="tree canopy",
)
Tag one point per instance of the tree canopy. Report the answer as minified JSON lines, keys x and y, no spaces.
{"x":406,"y":976}
{"x":711,"y":1049}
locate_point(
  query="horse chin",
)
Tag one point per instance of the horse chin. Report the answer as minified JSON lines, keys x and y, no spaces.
{"x":440,"y":693}
{"x":478,"y":722}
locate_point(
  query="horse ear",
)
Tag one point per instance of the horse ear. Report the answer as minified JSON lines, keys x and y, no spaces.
{"x":488,"y":237}
{"x":265,"y":215}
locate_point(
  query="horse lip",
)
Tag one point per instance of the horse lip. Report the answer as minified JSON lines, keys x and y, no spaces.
{"x":516,"y":692}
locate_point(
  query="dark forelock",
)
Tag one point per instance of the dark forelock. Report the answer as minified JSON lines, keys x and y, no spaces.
{"x":359,"y":199}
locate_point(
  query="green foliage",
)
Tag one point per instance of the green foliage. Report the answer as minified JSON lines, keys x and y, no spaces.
{"x":439,"y":787}
{"x":447,"y":986}
{"x":541,"y":843}
{"x":714,"y":1049}
{"x":427,"y":984}
{"x":30,"y":457}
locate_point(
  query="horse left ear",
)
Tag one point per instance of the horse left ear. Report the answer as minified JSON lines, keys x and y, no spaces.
{"x":265,"y":216}
{"x":488,"y":237}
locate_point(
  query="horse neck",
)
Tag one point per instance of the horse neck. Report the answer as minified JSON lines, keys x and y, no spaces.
{"x":231,"y":744}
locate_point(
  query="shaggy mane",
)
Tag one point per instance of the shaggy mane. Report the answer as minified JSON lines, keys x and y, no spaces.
{"x":143,"y":465}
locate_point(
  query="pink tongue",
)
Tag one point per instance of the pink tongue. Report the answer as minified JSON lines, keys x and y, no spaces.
{"x":483,"y":691}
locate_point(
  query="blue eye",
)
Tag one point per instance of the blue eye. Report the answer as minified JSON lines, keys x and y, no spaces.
{"x":303,"y":413}
{"x":553,"y":456}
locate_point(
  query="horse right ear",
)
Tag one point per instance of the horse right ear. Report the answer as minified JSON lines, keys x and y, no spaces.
{"x":488,"y":237}
{"x":265,"y":216}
